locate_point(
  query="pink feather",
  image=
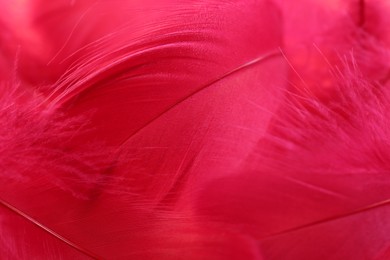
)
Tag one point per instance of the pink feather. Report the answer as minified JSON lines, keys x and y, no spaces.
{"x":239,"y":129}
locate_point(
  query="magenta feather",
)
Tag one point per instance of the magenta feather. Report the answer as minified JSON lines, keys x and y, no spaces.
{"x":253,"y":129}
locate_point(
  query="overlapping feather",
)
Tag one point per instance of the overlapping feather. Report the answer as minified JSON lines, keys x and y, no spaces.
{"x":194,"y":130}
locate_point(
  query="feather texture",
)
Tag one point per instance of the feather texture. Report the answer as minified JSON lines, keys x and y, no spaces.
{"x":194,"y":129}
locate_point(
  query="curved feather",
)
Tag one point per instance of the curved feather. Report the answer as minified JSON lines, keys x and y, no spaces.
{"x":194,"y":130}
{"x":160,"y":91}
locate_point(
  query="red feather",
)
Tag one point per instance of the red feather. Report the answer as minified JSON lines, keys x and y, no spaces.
{"x":251,"y":129}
